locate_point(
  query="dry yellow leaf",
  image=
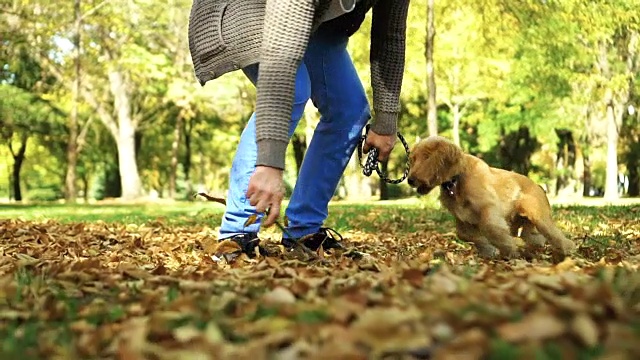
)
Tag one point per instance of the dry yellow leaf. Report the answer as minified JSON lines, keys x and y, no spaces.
{"x":279,"y":295}
{"x":227,"y":247}
{"x":585,"y":329}
{"x":534,"y":327}
{"x":251,"y":220}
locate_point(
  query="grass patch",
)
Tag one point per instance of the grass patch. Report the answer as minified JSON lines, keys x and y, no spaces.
{"x":178,"y":213}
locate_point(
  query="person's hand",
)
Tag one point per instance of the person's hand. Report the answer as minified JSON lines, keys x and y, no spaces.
{"x":384,"y":144}
{"x":266,"y":191}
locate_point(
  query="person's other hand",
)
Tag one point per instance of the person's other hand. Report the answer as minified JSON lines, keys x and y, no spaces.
{"x":266,"y":191}
{"x":384,"y":144}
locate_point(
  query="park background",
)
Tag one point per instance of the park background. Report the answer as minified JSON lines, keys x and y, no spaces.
{"x":98,"y":99}
{"x":99,"y":105}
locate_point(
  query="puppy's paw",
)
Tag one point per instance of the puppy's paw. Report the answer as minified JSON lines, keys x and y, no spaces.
{"x":569,"y":247}
{"x":487,"y":251}
{"x":516,"y":255}
{"x":531,"y":251}
{"x":513,"y":254}
{"x":508,"y":250}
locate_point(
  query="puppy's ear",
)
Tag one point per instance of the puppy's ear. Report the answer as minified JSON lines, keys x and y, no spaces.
{"x":452,"y":156}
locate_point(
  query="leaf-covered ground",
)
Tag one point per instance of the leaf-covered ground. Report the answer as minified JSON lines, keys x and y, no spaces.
{"x":150,"y":290}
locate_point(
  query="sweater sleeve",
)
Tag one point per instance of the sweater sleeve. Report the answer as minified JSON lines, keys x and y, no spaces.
{"x":387,"y":57}
{"x":287,"y":27}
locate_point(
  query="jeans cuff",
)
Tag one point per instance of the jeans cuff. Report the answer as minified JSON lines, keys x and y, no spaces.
{"x":297,"y":233}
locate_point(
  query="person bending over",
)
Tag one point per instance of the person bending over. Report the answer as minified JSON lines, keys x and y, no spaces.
{"x":293,"y":50}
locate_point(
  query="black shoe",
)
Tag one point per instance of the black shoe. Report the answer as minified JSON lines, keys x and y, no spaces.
{"x":248,"y":243}
{"x":327,"y":237}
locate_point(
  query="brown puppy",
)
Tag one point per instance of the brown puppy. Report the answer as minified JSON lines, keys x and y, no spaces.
{"x":490,"y":205}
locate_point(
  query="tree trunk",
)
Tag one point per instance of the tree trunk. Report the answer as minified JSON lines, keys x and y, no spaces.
{"x":432,"y":110}
{"x":17,"y":192}
{"x":615,"y":107}
{"x":310,"y":117}
{"x":299,"y":143}
{"x":354,"y":185}
{"x":112,"y":182}
{"x":516,"y":149}
{"x":633,"y":165}
{"x":85,"y":187}
{"x":18,"y":159}
{"x":186,"y":161}
{"x":457,"y":115}
{"x":125,"y":137}
{"x":586,"y":177}
{"x":70,"y":190}
{"x":611,"y":179}
{"x":565,"y":163}
{"x":72,"y":145}
{"x":611,"y":176}
{"x":578,"y":170}
{"x":129,"y":178}
{"x":633,"y":156}
{"x":384,"y":187}
{"x":175,"y":147}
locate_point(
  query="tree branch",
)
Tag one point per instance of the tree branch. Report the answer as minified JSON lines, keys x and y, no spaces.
{"x":11,"y":149}
{"x":104,"y":115}
{"x":83,"y":134}
{"x":87,"y":93}
{"x":92,"y":11}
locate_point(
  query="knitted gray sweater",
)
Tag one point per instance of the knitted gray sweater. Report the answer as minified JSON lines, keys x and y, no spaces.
{"x":228,"y":35}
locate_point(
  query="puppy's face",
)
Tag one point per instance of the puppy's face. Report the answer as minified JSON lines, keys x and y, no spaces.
{"x":433,"y":161}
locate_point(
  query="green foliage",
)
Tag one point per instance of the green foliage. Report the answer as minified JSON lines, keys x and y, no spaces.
{"x":502,"y":65}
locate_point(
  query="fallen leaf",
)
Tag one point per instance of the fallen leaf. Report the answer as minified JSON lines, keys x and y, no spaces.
{"x":148,"y":290}
{"x":251,"y":220}
{"x":413,"y":276}
{"x":209,"y":245}
{"x":534,"y":327}
{"x":279,"y":295}
{"x":585,"y":329}
{"x":227,"y":247}
{"x":186,"y":333}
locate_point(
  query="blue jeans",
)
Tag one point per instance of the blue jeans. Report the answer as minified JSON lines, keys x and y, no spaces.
{"x":327,"y":76}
